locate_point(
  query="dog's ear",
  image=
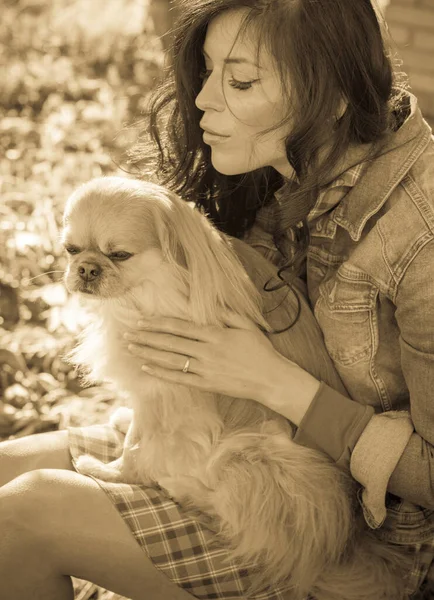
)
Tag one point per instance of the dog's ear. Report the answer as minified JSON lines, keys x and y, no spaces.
{"x":205,"y":260}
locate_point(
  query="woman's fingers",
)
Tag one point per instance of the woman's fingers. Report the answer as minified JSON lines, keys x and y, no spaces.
{"x":163,"y":359}
{"x":232,"y":319}
{"x":235,"y":360}
{"x":177,"y":376}
{"x":166,"y":342}
{"x":179,"y":327}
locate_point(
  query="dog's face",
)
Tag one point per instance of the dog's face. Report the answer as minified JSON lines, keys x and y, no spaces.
{"x":110,"y":238}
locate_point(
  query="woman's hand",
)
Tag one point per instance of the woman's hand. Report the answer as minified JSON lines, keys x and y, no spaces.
{"x":237,"y":360}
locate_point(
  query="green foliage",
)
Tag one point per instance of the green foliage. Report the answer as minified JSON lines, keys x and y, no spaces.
{"x":74,"y":77}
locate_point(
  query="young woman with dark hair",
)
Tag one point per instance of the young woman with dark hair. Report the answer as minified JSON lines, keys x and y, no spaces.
{"x":287,"y":124}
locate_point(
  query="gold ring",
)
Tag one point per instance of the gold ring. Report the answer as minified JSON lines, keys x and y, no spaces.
{"x":187,"y":364}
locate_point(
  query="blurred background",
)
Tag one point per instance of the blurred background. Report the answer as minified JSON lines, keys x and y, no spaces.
{"x":411,"y":25}
{"x":75,"y":76}
{"x":74,"y":79}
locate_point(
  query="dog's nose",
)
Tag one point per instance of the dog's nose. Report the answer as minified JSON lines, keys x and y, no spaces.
{"x":89,"y":271}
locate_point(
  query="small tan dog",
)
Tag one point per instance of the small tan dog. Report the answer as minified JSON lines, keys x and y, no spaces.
{"x":137,"y":250}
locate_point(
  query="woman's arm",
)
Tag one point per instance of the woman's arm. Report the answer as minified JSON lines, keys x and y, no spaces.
{"x":326,"y":419}
{"x":389,"y":450}
{"x":368,"y":445}
{"x":413,"y":477}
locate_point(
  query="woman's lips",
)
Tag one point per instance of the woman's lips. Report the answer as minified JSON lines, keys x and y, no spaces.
{"x":213,"y":138}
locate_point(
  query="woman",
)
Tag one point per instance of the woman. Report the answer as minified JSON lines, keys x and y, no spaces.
{"x":286,"y":123}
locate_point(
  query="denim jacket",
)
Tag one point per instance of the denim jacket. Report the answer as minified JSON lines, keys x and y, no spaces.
{"x":370,"y":281}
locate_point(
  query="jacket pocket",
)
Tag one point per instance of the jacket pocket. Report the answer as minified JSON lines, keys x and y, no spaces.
{"x":406,"y":523}
{"x":263,"y":243}
{"x":345,"y":311}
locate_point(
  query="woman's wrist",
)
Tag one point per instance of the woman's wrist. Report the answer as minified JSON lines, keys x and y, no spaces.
{"x":291,"y":390}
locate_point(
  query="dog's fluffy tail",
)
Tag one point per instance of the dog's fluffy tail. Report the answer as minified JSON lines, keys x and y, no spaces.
{"x":287,"y":512}
{"x":284,"y":509}
{"x":373,"y":571}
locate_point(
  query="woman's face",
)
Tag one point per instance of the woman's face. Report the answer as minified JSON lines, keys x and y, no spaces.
{"x":240,"y":100}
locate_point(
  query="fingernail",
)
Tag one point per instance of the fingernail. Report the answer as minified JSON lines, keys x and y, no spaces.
{"x":128,"y":336}
{"x":147,"y":369}
{"x":132,"y":347}
{"x":143,"y":323}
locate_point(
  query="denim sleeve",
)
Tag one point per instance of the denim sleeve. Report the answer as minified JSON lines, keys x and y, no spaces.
{"x":393,"y":450}
{"x":332,"y":424}
{"x":413,"y":477}
{"x":355,"y":438}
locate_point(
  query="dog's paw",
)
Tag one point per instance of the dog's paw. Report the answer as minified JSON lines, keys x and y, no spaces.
{"x":89,"y":465}
{"x":121,"y":419}
{"x":168,"y":485}
{"x":179,"y":487}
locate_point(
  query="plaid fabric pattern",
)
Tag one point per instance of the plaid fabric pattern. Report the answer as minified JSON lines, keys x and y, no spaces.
{"x":325,"y":202}
{"x":420,"y":583}
{"x":420,"y":580}
{"x":183,"y":549}
{"x":180,"y":547}
{"x":328,"y":199}
{"x":428,"y":584}
{"x":261,"y":234}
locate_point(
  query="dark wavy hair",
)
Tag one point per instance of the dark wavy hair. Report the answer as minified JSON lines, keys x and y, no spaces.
{"x":328,"y":52}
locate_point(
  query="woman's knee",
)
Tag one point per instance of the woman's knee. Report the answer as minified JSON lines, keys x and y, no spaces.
{"x":18,"y":507}
{"x":39,"y":451}
{"x":81,"y":533}
{"x":30,"y":506}
{"x":35,"y":501}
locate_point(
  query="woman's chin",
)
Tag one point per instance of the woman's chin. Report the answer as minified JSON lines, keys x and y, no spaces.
{"x":227,"y":167}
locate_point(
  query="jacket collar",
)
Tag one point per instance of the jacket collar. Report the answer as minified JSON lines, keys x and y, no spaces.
{"x":381,"y":175}
{"x":360,"y":186}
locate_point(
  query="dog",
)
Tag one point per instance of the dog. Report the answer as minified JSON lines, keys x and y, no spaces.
{"x":137,"y":250}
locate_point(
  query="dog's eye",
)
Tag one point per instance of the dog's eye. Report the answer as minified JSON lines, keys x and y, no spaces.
{"x":121,"y":255}
{"x":72,"y":249}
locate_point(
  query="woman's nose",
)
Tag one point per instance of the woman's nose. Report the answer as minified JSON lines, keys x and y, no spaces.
{"x":211,"y":96}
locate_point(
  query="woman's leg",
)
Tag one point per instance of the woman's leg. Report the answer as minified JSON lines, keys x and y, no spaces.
{"x":56,"y":523}
{"x":38,"y":451}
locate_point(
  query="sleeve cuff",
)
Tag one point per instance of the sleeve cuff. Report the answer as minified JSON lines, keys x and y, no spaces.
{"x":375,"y":457}
{"x":332,"y":424}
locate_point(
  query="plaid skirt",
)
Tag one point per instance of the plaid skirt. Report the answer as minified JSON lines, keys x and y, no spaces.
{"x":184,"y":549}
{"x":420,"y":583}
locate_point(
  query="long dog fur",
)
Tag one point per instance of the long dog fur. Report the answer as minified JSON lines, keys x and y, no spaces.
{"x":286,"y":511}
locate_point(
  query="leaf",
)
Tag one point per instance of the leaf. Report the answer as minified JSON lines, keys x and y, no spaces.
{"x":14,"y":360}
{"x":9,"y":306}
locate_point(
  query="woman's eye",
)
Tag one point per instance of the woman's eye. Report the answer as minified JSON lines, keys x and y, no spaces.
{"x":241,"y":85}
{"x":204,"y":74}
{"x":120,"y":255}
